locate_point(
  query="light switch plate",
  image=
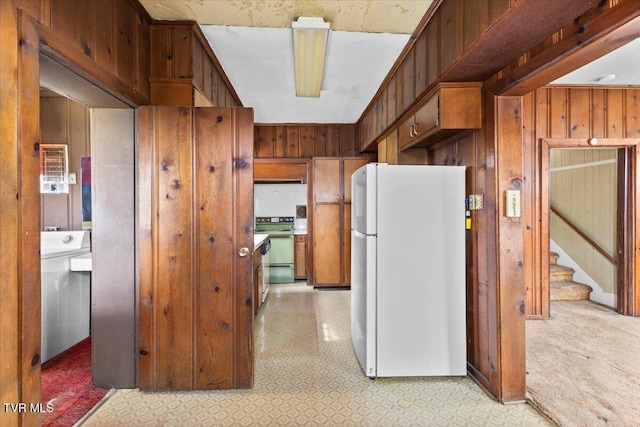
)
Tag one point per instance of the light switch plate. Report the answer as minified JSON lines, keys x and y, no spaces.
{"x":73,"y":179}
{"x":512,"y":203}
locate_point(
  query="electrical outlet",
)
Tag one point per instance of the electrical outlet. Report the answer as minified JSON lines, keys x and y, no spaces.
{"x":73,"y":179}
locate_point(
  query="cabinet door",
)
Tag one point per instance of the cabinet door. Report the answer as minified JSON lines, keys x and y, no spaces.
{"x":326,"y":180}
{"x":428,"y":117}
{"x":349,"y":167}
{"x":300,"y":258}
{"x":405,"y":131}
{"x":346,"y":244}
{"x":327,"y":239}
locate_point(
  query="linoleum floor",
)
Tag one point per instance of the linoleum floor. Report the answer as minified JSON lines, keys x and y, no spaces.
{"x":306,"y":374}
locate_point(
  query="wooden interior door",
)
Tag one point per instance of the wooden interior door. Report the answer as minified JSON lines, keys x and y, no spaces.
{"x":196,"y":240}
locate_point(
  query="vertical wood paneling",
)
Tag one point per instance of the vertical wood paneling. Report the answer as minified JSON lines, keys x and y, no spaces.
{"x":632,"y":106}
{"x":19,"y":252}
{"x":181,"y":52}
{"x":160,"y":51}
{"x":473,"y":21}
{"x":242,"y":199}
{"x":125,"y":41}
{"x":307,"y":141}
{"x":509,"y":238}
{"x":391,"y":102}
{"x":348,"y":141}
{"x":449,"y":31}
{"x":408,"y":81}
{"x":293,"y":144}
{"x":420,"y":64}
{"x":559,"y":122}
{"x":615,"y":113}
{"x":333,"y":141}
{"x":198,"y":63}
{"x":173,"y":288}
{"x":264,"y":141}
{"x":215,"y":232}
{"x":580,"y":117}
{"x":196,"y":300}
{"x":321,"y":141}
{"x":280,"y":141}
{"x":433,"y":43}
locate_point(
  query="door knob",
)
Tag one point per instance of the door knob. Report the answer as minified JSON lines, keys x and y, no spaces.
{"x":243,"y":252}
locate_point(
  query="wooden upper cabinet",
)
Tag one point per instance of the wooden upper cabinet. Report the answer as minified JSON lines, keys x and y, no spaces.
{"x":450,"y":108}
{"x":184,"y":71}
{"x":326,"y":180}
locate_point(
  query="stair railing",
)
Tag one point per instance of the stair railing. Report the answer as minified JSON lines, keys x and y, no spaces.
{"x":582,"y":234}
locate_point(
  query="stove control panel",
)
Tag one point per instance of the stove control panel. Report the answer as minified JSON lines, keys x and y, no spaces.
{"x":274,"y":220}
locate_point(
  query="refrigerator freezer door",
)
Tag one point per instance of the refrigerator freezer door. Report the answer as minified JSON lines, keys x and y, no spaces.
{"x":363,"y":196}
{"x":421,"y":328}
{"x":363,"y":300}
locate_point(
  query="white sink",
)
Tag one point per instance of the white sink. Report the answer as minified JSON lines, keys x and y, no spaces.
{"x":81,"y":262}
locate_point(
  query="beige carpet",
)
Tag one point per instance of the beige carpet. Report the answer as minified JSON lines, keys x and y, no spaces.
{"x":583,"y":365}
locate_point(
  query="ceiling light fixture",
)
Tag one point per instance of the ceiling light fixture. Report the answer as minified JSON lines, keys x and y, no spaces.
{"x":309,"y":48}
{"x":606,"y":79}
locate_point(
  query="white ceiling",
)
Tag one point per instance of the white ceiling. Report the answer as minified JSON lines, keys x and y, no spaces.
{"x":259,"y":64}
{"x":623,"y":63}
{"x":253,"y":42}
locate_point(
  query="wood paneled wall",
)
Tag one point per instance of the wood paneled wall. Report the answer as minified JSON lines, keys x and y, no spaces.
{"x":113,"y":35}
{"x":564,"y":113}
{"x":495,"y":299}
{"x":19,"y":217}
{"x":181,"y":60}
{"x":305,"y":141}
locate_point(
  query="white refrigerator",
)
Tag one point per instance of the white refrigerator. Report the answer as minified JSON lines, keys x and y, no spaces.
{"x":408,"y":298}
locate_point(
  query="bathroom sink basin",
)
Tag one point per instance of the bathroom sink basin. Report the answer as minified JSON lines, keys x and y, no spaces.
{"x":80,"y":262}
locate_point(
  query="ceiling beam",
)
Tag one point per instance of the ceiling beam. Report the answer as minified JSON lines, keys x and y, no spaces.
{"x":592,"y":38}
{"x":524,"y":25}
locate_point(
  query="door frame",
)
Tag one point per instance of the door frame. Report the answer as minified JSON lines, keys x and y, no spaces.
{"x":628,"y":201}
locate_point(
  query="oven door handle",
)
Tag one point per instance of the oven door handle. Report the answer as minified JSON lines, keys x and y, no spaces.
{"x":282,"y":236}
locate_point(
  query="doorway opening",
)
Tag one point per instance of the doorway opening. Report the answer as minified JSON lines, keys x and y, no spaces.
{"x":98,"y":131}
{"x":583,"y":224}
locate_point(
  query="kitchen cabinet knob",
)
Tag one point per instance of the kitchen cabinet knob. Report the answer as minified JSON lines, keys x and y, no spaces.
{"x":243,"y":252}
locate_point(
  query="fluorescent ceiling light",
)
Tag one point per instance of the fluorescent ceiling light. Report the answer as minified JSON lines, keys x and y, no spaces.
{"x":309,"y":48}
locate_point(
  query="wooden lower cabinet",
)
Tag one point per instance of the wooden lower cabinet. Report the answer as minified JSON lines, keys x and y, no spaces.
{"x":327,"y":240}
{"x":300,"y":256}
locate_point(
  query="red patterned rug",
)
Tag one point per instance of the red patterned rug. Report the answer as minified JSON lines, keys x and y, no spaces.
{"x":66,"y":386}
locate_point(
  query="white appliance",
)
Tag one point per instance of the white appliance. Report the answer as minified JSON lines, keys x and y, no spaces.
{"x":408,"y":270}
{"x":65,"y":290}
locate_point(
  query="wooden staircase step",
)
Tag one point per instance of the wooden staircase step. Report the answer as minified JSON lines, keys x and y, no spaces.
{"x":569,"y":291}
{"x":553,"y":258}
{"x":560,"y":273}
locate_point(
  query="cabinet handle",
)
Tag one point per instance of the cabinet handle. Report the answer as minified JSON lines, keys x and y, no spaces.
{"x":415,"y":129}
{"x":411,"y":134}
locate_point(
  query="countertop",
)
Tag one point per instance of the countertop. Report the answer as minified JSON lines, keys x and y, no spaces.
{"x":258,"y":240}
{"x":299,"y":231}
